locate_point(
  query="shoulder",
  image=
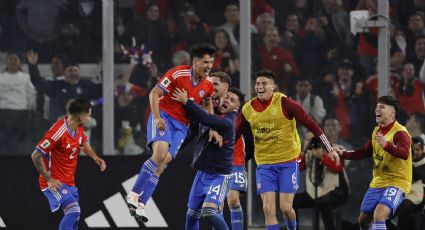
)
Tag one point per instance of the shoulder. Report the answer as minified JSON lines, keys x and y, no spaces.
{"x":57,"y":129}
{"x":178,"y":71}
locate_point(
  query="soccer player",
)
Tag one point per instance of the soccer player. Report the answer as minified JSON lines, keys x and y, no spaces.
{"x":238,"y":184}
{"x":213,"y":163}
{"x":271,"y":118}
{"x":167,"y":124}
{"x":55,"y":158}
{"x":389,"y":147}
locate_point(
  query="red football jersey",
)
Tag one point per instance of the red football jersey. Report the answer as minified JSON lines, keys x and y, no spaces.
{"x":181,"y":77}
{"x":239,"y":152}
{"x":60,"y":149}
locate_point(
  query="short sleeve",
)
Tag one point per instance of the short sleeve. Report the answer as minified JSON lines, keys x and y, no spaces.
{"x":84,"y":138}
{"x":167,"y":82}
{"x":49,"y":141}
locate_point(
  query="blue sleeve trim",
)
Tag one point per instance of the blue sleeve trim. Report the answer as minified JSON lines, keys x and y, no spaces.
{"x":42,"y":153}
{"x":163,"y":88}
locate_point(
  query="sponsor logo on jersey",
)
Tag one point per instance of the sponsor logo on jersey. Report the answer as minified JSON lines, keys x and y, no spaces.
{"x":165,"y":82}
{"x":45,"y":144}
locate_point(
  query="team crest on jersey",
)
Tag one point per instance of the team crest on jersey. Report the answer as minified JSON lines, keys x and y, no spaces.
{"x":161,"y":133}
{"x":64,"y":191}
{"x":45,"y":144}
{"x":201,"y":93}
{"x":166,"y":82}
{"x":68,"y":146}
{"x":273,"y":111}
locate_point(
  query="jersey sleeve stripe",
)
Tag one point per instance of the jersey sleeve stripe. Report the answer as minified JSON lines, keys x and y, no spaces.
{"x":59,"y":132}
{"x":180,"y":73}
{"x":325,"y":141}
{"x":44,"y":154}
{"x":163,"y":88}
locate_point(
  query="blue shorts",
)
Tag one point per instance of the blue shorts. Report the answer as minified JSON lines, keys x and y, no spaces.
{"x":389,"y":196}
{"x":62,"y":197}
{"x":174,"y":134}
{"x":206,"y":187}
{"x":239,"y":181}
{"x":281,"y":177}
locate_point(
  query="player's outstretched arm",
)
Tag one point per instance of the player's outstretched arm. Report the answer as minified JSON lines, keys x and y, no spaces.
{"x":37,"y":160}
{"x":92,"y":154}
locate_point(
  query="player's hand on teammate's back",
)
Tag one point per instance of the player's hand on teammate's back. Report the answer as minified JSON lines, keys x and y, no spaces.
{"x":54,"y":184}
{"x":217,"y":137}
{"x":160,"y":124}
{"x":180,"y":95}
{"x":102,"y":165}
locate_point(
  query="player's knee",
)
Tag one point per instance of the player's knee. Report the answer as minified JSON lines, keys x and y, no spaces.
{"x":379,"y":216}
{"x":286,"y":209}
{"x":269,"y":210}
{"x":363,"y":222}
{"x":232,"y":200}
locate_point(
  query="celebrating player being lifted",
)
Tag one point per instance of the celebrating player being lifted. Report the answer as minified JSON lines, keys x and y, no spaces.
{"x":167,"y":125}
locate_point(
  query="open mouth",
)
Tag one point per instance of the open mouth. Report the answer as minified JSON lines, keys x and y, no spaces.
{"x":261,"y":93}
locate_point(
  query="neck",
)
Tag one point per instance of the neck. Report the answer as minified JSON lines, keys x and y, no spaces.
{"x":303,"y":96}
{"x":386,"y":123}
{"x":72,"y":123}
{"x":333,"y":138}
{"x":12,"y":71}
{"x":269,"y":47}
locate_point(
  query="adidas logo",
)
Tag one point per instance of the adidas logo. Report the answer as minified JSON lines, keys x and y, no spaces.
{"x":118,"y":210}
{"x":2,"y":225}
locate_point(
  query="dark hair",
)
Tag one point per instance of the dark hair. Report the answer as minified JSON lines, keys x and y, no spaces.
{"x":68,"y":63}
{"x":240,"y":95}
{"x":200,"y":49}
{"x":228,"y":47}
{"x":418,"y":140}
{"x":265,"y":73}
{"x":389,"y":100}
{"x":223,"y":76}
{"x":16,"y":54}
{"x":315,"y":143}
{"x":79,"y":106}
{"x":60,"y":57}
